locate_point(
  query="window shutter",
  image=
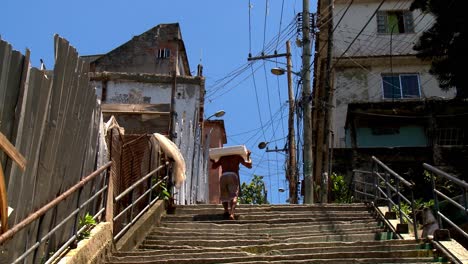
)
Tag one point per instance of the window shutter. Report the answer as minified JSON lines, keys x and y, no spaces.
{"x":381,"y":22}
{"x":391,"y":86}
{"x":410,"y":86}
{"x":408,"y":19}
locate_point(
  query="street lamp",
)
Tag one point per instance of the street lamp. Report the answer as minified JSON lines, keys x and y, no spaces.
{"x":220,"y":113}
{"x":263,"y":145}
{"x":280,"y":71}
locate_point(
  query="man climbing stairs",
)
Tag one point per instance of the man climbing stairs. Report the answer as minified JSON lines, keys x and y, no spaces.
{"x":330,"y":233}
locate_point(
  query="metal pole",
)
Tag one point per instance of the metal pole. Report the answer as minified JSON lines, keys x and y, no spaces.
{"x":306,"y":104}
{"x":292,"y":169}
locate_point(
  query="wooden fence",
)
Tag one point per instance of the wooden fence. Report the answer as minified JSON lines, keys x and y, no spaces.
{"x":53,"y":119}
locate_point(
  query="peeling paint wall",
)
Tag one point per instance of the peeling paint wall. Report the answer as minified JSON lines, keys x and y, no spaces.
{"x":187,"y":129}
{"x":159,"y":50}
{"x":371,"y":43}
{"x":359,"y":79}
{"x":126,"y":92}
{"x":365,"y":85}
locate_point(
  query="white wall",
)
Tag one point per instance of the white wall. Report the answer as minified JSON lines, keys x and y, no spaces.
{"x":358,"y":84}
{"x":360,"y":79}
{"x":371,"y":43}
{"x":186,"y":126}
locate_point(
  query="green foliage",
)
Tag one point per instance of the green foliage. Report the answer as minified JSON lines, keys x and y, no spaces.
{"x":254,"y":192}
{"x":444,"y":44}
{"x":165,"y":194}
{"x":419,"y":204}
{"x":161,"y":191}
{"x":340,"y":189}
{"x":447,"y":187}
{"x":87,"y":221}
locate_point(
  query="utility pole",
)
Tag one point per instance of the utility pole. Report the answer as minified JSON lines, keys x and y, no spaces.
{"x":292,"y":167}
{"x":329,"y":92}
{"x":306,"y":104}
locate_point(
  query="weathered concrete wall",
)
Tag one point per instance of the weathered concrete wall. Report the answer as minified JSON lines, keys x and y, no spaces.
{"x":137,"y":233}
{"x":359,"y":79}
{"x":128,"y":88}
{"x":364,"y":84}
{"x":371,"y":43}
{"x":92,"y":250}
{"x":140,"y":54}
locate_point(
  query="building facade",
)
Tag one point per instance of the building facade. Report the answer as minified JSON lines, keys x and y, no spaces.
{"x":147,"y":86}
{"x":375,"y":93}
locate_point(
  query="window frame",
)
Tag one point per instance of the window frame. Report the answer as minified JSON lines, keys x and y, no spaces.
{"x":399,"y":75}
{"x":382,"y":21}
{"x":163,"y":53}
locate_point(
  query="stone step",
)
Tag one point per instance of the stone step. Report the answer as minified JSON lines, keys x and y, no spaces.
{"x":319,"y":233}
{"x":275,"y":220}
{"x":312,"y":245}
{"x":271,"y":209}
{"x":261,"y":233}
{"x":242,"y":225}
{"x":280,"y":248}
{"x":266,"y":216}
{"x":210,"y":209}
{"x":264,"y":228}
{"x":380,"y":256}
{"x":280,"y":207}
{"x":342,"y":261}
{"x":148,"y":244}
{"x":219,"y":236}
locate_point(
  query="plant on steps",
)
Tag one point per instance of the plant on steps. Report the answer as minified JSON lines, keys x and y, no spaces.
{"x":340,"y":189}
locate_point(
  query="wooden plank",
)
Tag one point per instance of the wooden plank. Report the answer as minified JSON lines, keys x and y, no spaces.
{"x":11,"y":151}
{"x":11,"y":94}
{"x":35,"y":103}
{"x":5,"y":54}
{"x":3,"y":203}
{"x":50,"y":175}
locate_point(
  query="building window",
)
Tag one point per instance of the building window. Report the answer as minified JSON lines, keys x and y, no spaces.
{"x":451,"y":136}
{"x":396,"y":21}
{"x":401,"y":86}
{"x":164,"y":53}
{"x":379,"y":131}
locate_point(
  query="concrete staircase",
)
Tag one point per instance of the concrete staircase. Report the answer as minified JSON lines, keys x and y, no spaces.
{"x":332,"y":233}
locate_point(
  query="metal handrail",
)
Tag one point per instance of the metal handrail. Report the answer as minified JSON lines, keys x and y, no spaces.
{"x":40,"y":212}
{"x":436,"y":193}
{"x":43,"y":210}
{"x":365,"y":185}
{"x":134,"y":200}
{"x":389,"y":187}
{"x":375,"y":190}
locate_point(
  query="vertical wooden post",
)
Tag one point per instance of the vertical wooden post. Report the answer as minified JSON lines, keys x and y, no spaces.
{"x":10,"y":150}
{"x":292,"y":168}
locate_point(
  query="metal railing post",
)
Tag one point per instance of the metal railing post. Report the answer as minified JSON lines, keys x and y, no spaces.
{"x":388,"y":190}
{"x":415,"y":225}
{"x":397,"y":183}
{"x":436,"y":200}
{"x":132,"y":199}
{"x":376,"y":181}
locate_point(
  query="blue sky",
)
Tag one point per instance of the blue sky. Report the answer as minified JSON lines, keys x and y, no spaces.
{"x":216,"y":34}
